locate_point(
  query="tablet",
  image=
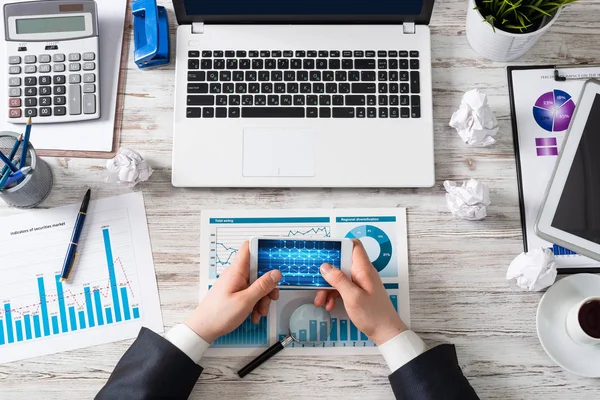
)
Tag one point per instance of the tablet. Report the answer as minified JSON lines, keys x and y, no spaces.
{"x":570,"y":214}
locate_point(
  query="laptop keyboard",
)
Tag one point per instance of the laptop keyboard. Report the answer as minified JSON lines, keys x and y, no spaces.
{"x":303,"y":84}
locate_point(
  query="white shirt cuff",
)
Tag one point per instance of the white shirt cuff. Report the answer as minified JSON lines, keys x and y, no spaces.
{"x":186,"y":340}
{"x":402,"y":349}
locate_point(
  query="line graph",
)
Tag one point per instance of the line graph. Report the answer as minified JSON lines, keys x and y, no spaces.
{"x":225,"y":240}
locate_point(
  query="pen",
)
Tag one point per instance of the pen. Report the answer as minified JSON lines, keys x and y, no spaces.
{"x":15,"y":176}
{"x":12,"y":155}
{"x":72,"y":249}
{"x":25,"y":143}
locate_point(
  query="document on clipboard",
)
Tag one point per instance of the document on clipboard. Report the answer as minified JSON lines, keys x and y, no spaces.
{"x":543,"y":100}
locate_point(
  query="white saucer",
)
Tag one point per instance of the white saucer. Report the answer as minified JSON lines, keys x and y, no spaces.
{"x":551,"y":317}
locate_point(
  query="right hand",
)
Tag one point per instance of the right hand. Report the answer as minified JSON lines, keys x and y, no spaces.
{"x":366,"y":301}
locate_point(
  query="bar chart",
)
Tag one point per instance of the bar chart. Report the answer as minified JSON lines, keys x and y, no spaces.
{"x":98,"y":308}
{"x":109,"y":295}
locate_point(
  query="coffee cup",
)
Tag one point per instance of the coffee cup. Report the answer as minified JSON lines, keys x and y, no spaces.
{"x":583,"y":321}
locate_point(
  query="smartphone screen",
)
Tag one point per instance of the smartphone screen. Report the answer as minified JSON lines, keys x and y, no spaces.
{"x":298,"y":260}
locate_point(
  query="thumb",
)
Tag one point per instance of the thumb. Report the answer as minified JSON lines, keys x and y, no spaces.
{"x":263,"y":286}
{"x":338,"y":280}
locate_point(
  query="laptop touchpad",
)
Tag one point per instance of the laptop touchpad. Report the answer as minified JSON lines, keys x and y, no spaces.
{"x":284,"y":152}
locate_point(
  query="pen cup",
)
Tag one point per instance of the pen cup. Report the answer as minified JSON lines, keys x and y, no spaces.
{"x":36,"y":186}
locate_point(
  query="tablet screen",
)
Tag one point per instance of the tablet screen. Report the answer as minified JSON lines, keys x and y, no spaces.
{"x":578,"y":211}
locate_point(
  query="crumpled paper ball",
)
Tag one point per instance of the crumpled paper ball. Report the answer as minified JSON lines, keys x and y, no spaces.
{"x":475,"y":121}
{"x":532,"y":271}
{"x":468,"y":201}
{"x":128,"y":168}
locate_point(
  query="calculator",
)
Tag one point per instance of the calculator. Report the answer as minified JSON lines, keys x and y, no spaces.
{"x":53,"y":65}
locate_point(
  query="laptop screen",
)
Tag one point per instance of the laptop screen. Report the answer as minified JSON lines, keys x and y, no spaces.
{"x":303,"y":7}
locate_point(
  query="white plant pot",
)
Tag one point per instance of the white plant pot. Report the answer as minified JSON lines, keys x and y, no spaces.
{"x":500,"y":45}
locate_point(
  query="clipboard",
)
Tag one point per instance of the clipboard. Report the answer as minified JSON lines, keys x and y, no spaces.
{"x":542,"y":101}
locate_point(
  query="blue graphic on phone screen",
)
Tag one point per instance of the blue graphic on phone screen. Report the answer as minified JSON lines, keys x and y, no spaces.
{"x":298,"y":260}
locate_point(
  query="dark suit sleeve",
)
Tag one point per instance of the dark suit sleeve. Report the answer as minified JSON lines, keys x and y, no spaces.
{"x":434,"y":375}
{"x":152,"y":368}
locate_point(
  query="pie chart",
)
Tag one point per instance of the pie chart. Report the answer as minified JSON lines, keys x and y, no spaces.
{"x":376,"y":242}
{"x":553,"y":110}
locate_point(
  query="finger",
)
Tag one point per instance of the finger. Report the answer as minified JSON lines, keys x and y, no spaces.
{"x":339,"y":280}
{"x":274,"y":295}
{"x":363,"y":272}
{"x":263,"y":306}
{"x":321,"y":298}
{"x":262,"y":286}
{"x":331,"y":298}
{"x":241,"y":264}
{"x":255,"y":318}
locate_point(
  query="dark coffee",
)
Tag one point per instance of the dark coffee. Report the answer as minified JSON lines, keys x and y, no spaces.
{"x":589,"y":318}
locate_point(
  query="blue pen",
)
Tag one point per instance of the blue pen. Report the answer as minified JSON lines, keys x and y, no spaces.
{"x":11,"y":156}
{"x":25,"y":143}
{"x":16,"y":176}
{"x":72,"y":249}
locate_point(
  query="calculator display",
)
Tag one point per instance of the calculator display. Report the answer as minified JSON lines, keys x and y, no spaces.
{"x":50,"y":25}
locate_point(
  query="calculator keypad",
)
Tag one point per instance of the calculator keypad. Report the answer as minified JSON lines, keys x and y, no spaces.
{"x":70,"y":91}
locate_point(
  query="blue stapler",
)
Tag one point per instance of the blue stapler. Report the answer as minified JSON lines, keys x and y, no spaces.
{"x":150,"y":34}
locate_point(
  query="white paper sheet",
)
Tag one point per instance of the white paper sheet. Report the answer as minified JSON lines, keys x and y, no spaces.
{"x":94,"y":135}
{"x":109,"y":296}
{"x":382,"y":231}
{"x":535,"y":89}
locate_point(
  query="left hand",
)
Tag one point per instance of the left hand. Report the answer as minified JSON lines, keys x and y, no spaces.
{"x":229,"y":302}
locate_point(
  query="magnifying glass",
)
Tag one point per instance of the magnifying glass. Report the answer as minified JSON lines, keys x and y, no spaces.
{"x":308,"y":325}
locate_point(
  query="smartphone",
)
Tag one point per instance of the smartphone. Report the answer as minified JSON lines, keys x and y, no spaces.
{"x":299,"y":260}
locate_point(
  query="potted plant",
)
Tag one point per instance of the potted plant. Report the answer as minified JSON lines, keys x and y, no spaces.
{"x":503,"y":30}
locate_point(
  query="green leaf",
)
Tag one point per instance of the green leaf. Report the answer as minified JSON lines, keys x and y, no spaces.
{"x":538,"y":10}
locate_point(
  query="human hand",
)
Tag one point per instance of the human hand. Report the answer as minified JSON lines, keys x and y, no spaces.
{"x":366,"y":301}
{"x":229,"y":302}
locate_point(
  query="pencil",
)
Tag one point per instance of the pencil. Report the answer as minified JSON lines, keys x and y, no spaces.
{"x":25,"y":144}
{"x":7,"y":162}
{"x":11,"y":156}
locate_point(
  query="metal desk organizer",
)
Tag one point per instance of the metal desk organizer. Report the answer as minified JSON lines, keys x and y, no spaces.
{"x":150,"y":34}
{"x":36,"y":186}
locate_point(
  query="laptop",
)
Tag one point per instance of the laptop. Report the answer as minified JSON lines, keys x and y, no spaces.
{"x":311,"y":93}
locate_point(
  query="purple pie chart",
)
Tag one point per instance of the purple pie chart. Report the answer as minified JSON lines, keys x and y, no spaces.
{"x":553,"y":110}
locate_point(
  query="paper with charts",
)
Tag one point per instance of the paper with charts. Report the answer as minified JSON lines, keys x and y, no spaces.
{"x":111,"y":292}
{"x":383,"y":233}
{"x":543,"y":110}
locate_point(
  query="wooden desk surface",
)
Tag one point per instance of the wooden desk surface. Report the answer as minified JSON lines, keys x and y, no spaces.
{"x":457,"y":287}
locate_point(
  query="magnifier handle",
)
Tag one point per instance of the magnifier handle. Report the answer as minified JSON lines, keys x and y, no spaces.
{"x":270,"y":352}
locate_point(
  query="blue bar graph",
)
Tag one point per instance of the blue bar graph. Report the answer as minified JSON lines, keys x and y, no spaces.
{"x":353,"y":331}
{"x":333,"y":336}
{"x":99,"y":314}
{"x":363,"y":336}
{"x":9,"y":328}
{"x":125,"y":303}
{"x":70,"y":314}
{"x":343,"y":329}
{"x":81,"y":320}
{"x":109,"y":319}
{"x":302,"y":335}
{"x":61,"y":304}
{"x":111,"y":274}
{"x":245,"y":335}
{"x":394,"y":300}
{"x":27,"y":321}
{"x":19,"y":329}
{"x":55,"y":324}
{"x":44,"y":306}
{"x":88,"y":305}
{"x":73,"y":318}
{"x":36,"y":326}
{"x":312,"y":330}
